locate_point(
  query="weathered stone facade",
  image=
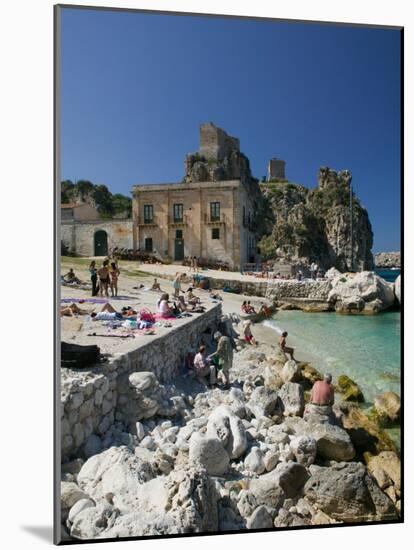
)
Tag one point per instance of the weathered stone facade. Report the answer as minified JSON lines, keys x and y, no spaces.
{"x":80,"y":237}
{"x":210,"y":214}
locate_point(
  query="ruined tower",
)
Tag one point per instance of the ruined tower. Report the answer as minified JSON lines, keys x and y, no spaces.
{"x":276,"y":169}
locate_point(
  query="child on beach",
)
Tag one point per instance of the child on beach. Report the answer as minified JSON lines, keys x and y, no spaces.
{"x":247,"y":333}
{"x":284,"y":348}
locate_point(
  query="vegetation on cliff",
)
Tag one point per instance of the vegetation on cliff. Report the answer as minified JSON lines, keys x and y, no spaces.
{"x":298,"y":224}
{"x":107,"y":204}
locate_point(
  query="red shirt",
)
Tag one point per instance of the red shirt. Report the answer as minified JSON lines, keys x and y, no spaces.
{"x":322,"y":393}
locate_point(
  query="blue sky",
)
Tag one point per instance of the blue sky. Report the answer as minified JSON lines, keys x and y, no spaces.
{"x":135,"y":87}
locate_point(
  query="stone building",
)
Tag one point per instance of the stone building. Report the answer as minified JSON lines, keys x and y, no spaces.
{"x":210,"y":214}
{"x":276,"y":169}
{"x":83,"y":232}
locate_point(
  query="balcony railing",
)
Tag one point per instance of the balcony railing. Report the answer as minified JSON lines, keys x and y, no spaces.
{"x":216,"y":220}
{"x":148,"y":222}
{"x":177,"y":222}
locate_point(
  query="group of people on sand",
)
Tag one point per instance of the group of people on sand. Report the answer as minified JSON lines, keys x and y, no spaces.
{"x":194,"y":264}
{"x":104,"y":278}
{"x":217,"y":364}
{"x":179,"y":306}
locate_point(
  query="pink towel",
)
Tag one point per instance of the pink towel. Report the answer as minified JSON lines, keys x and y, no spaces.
{"x":159,"y":317}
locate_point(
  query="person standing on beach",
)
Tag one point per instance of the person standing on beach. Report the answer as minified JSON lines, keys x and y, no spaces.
{"x":323,"y":393}
{"x":177,"y":284}
{"x":94,"y":277}
{"x":103,"y":274}
{"x":114,"y":273}
{"x":195,"y":264}
{"x":224,"y":354}
{"x":284,"y":348}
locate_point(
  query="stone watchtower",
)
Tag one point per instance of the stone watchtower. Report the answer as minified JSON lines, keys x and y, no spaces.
{"x":276,"y":169}
{"x":215,"y":143}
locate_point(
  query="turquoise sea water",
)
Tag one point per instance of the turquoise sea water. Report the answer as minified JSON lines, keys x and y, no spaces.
{"x":366,"y":348}
{"x":388,"y":274}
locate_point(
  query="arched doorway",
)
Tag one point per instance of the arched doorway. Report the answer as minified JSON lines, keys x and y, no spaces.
{"x":101,"y":243}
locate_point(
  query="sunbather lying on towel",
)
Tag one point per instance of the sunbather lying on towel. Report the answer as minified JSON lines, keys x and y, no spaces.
{"x":71,"y":311}
{"x":109,"y":313}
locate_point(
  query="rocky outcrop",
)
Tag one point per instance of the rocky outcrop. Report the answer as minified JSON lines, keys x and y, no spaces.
{"x":397,"y":289}
{"x":387,"y":259}
{"x":387,"y":408}
{"x":306,"y":225}
{"x":209,"y":453}
{"x":347,"y":492}
{"x":349,"y":389}
{"x":363,"y":292}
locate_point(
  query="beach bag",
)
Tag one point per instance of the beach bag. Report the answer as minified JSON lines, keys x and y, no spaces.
{"x":146,"y":315}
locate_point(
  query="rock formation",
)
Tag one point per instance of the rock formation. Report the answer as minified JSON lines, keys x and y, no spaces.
{"x":387,"y":259}
{"x":302,"y":225}
{"x":219,"y":460}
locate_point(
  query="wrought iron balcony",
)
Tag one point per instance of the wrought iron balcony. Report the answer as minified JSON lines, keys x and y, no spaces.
{"x":178,"y":222}
{"x":216,"y":220}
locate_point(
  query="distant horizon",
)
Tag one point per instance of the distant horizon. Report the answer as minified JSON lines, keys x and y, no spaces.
{"x":311,"y":94}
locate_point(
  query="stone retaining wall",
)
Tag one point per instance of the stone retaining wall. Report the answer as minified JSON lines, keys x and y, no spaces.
{"x":89,"y":399}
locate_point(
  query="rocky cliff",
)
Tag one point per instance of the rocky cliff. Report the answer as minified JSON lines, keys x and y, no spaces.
{"x":388,"y":259}
{"x":302,"y":225}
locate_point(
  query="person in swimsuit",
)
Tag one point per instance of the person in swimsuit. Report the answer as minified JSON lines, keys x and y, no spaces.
{"x":163,"y":306}
{"x":71,"y":311}
{"x":247,"y":333}
{"x":103,"y":274}
{"x":114,"y":273}
{"x":156,"y":286}
{"x":284,"y":348}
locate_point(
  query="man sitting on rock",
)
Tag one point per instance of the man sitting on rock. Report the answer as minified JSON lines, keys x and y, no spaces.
{"x":323,"y":392}
{"x":321,"y":400}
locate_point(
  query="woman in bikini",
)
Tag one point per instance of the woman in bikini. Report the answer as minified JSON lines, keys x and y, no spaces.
{"x":114,"y":278}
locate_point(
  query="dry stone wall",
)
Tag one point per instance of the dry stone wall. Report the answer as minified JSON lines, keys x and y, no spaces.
{"x":91,"y":401}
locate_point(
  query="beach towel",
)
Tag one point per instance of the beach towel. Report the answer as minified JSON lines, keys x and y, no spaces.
{"x":84,"y":300}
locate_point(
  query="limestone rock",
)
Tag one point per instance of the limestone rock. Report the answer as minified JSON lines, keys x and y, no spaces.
{"x":70,"y":493}
{"x":260,"y":519}
{"x":351,"y":288}
{"x":365,"y":433}
{"x":117,"y":472}
{"x":304,"y":448}
{"x":80,"y":505}
{"x":209,"y":453}
{"x":254,"y":461}
{"x":263,"y":402}
{"x":292,"y":398}
{"x":319,"y":414}
{"x":290,"y":371}
{"x":267,"y":491}
{"x":346,"y":492}
{"x":224,"y":425}
{"x":388,"y":407}
{"x":92,"y":522}
{"x":397,"y":289}
{"x":332,"y":442}
{"x":385,"y":468}
{"x":291,"y":477}
{"x":141,"y":381}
